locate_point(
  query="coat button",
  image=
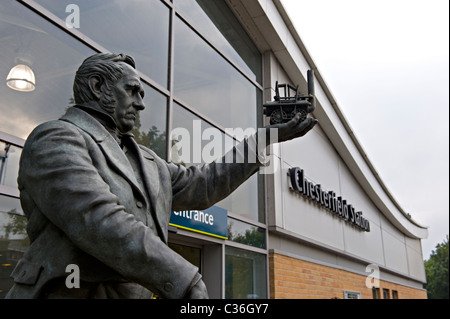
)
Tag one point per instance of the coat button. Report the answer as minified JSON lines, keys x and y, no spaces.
{"x":139,"y":204}
{"x":168,"y":287}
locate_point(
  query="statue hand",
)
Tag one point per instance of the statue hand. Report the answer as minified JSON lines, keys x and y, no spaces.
{"x":199,"y":291}
{"x":292,"y":129}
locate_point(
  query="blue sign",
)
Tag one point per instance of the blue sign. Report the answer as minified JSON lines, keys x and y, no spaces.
{"x":212,"y":221}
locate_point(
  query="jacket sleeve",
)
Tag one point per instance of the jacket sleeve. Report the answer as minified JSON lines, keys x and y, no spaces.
{"x":199,"y":187}
{"x":58,"y":173}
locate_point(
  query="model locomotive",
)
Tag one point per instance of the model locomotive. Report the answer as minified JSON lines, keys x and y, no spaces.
{"x":286,"y":106}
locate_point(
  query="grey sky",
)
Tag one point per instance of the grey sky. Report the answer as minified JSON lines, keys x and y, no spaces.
{"x":387,"y":64}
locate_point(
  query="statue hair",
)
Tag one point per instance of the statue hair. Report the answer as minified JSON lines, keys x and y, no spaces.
{"x":107,"y":67}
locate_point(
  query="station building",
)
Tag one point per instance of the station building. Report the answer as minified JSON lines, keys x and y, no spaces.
{"x":322,"y":225}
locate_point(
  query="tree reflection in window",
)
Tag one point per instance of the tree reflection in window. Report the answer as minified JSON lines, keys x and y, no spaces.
{"x":246,"y":234}
{"x":153,"y":138}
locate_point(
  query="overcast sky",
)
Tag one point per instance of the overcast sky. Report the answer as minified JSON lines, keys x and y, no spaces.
{"x":387,"y":64}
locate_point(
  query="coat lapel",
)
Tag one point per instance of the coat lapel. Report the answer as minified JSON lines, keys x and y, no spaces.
{"x":150,"y":177}
{"x":114,"y":154}
{"x":118,"y":159}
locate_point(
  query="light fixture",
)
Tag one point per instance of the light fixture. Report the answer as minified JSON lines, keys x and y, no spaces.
{"x":21,"y":78}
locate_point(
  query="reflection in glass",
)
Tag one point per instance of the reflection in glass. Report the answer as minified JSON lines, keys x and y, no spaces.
{"x":190,"y":152}
{"x":134,"y":27}
{"x":244,"y":200}
{"x":13,"y":240}
{"x":9,"y":164}
{"x":216,"y":22}
{"x":21,"y":78}
{"x":247,"y":234}
{"x":150,"y":126}
{"x":191,"y":254}
{"x":54,"y":56}
{"x":245,"y":274}
{"x":207,"y":82}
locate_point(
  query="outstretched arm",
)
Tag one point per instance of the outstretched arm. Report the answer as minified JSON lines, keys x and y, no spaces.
{"x":199,"y":187}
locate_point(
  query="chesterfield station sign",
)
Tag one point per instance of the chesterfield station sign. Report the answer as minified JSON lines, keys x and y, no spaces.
{"x":327,"y":199}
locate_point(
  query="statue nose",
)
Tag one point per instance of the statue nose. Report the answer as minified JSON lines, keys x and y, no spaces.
{"x":139,"y":104}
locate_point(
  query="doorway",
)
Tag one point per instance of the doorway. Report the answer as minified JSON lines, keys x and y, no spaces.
{"x":207,"y":256}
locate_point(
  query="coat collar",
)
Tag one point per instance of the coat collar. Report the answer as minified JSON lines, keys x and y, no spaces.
{"x":86,"y":122}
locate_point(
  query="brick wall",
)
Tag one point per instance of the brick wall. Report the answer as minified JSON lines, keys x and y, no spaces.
{"x":292,"y":278}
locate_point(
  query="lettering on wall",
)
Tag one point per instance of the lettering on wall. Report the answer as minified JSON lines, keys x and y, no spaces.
{"x":327,"y":199}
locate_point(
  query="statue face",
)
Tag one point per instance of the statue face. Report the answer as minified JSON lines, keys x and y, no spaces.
{"x":128,"y":93}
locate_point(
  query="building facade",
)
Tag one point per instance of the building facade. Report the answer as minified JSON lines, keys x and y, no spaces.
{"x":321,"y":224}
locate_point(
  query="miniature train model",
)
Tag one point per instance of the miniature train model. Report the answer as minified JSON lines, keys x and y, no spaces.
{"x":285,"y":107}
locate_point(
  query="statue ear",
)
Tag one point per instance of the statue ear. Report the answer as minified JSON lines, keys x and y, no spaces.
{"x":95,"y":84}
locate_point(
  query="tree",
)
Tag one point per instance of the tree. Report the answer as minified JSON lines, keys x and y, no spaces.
{"x":17,"y":224}
{"x":436,"y":269}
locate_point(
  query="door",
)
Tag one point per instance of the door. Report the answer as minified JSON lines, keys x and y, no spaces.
{"x":207,"y":256}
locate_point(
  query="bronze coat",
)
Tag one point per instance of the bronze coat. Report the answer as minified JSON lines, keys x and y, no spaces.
{"x":86,"y":207}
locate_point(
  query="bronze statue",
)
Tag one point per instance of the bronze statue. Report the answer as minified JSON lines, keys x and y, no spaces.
{"x":96,"y":199}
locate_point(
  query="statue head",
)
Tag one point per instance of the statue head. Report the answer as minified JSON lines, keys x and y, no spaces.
{"x":110,"y":82}
{"x":107,"y":68}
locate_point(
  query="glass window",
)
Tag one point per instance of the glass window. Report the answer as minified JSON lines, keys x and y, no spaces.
{"x":220,"y":26}
{"x":13,"y":240}
{"x":394,"y":294}
{"x":9,"y":164}
{"x":134,"y":27}
{"x":245,"y":274}
{"x":150,"y":127}
{"x":207,"y":82}
{"x":386,"y":293}
{"x":244,"y":200}
{"x":190,"y":152}
{"x":352,"y":295}
{"x":53,"y":57}
{"x":376,"y":293}
{"x":247,"y":234}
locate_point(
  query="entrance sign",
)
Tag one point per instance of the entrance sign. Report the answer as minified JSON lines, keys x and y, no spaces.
{"x":328,"y":199}
{"x":212,"y":221}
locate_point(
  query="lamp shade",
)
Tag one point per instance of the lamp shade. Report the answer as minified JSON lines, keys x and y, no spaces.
{"x":21,"y":78}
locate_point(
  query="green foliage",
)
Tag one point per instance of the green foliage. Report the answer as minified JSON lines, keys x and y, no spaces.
{"x":152,"y":139}
{"x":252,"y":237}
{"x":17,"y":224}
{"x":436,"y":269}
